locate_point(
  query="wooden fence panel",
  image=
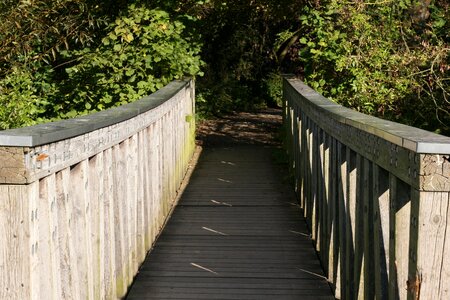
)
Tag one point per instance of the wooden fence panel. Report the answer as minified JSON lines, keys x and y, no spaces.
{"x":83,"y":200}
{"x":376,"y":196}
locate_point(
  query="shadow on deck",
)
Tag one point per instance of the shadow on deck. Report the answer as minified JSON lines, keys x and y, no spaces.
{"x":237,"y":232}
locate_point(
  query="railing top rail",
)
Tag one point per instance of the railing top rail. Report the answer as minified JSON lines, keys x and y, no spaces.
{"x":412,"y":138}
{"x":55,"y":131}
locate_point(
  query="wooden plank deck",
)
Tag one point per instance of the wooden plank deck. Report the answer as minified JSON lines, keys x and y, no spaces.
{"x":236,"y":234}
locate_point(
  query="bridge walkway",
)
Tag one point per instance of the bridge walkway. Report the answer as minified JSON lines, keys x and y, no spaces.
{"x":236,"y":233}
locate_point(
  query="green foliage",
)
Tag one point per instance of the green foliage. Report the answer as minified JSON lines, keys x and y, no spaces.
{"x":62,"y":58}
{"x":273,"y":86}
{"x":238,"y":48}
{"x":35,"y":31}
{"x":23,"y":94}
{"x":368,"y":56}
{"x":142,"y":51}
{"x":138,"y":53}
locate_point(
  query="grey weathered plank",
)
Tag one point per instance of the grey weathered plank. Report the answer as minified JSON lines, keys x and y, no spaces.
{"x":237,"y":233}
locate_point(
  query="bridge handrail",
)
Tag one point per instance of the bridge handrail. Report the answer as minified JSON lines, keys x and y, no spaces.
{"x":375,"y":194}
{"x":83,"y":200}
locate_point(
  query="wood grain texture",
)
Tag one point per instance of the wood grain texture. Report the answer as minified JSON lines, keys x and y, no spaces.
{"x":432,"y":245}
{"x":375,"y":199}
{"x":84,"y":211}
{"x":253,"y":245}
{"x":17,"y":252}
{"x":12,"y":165}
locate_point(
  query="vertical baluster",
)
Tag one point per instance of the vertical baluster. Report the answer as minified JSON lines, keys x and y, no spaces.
{"x":429,"y":269}
{"x":341,"y":232}
{"x":332,"y":213}
{"x":326,"y":202}
{"x":70,"y":286}
{"x":131,"y":200}
{"x":367,"y":205}
{"x":402,"y":230}
{"x":20,"y":232}
{"x":380,"y":221}
{"x":350,"y":208}
{"x":110,"y":279}
{"x":314,"y":172}
{"x":120,"y":232}
{"x":320,"y":244}
{"x":48,"y":224}
{"x":79,"y":191}
{"x":96,"y":181}
{"x":141,"y":182}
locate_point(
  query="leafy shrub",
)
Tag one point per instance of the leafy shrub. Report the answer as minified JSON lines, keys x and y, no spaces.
{"x":142,"y":51}
{"x":23,"y":95}
{"x":378,"y":59}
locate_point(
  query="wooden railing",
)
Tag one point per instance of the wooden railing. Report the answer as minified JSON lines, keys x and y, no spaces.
{"x":82,"y":200}
{"x":376,"y":197}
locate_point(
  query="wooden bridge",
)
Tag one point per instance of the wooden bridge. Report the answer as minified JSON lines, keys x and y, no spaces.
{"x":82,"y":201}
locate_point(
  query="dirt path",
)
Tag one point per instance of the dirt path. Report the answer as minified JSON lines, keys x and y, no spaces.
{"x":243,"y":128}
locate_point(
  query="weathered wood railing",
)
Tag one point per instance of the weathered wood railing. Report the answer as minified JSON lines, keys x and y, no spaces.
{"x":82,"y":200}
{"x":376,"y":196}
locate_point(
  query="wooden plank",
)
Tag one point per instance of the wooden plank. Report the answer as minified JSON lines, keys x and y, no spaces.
{"x":96,"y":190}
{"x":380,"y":220}
{"x":332,"y":217}
{"x":261,"y":247}
{"x":393,"y":286}
{"x":120,"y":233}
{"x":80,"y":226}
{"x":131,"y":200}
{"x":142,"y":196}
{"x":430,"y":276}
{"x":12,"y":160}
{"x":18,"y":228}
{"x":321,"y":194}
{"x":109,"y":227}
{"x":70,"y":284}
{"x":358,"y":229}
{"x":350,"y":207}
{"x":367,"y":193}
{"x":342,"y":218}
{"x":326,"y":206}
{"x":314,"y":172}
{"x":49,"y":256}
{"x":151,"y":186}
{"x":402,"y":235}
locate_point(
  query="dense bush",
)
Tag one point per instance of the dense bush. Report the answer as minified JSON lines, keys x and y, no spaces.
{"x":390,"y":60}
{"x":142,"y":51}
{"x":386,"y":58}
{"x":136,"y":54}
{"x":238,"y":48}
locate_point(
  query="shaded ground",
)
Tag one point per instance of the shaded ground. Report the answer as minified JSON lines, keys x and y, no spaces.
{"x":241,"y":128}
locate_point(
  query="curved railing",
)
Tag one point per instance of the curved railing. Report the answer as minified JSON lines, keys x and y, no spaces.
{"x":82,"y":200}
{"x":376,"y":196}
